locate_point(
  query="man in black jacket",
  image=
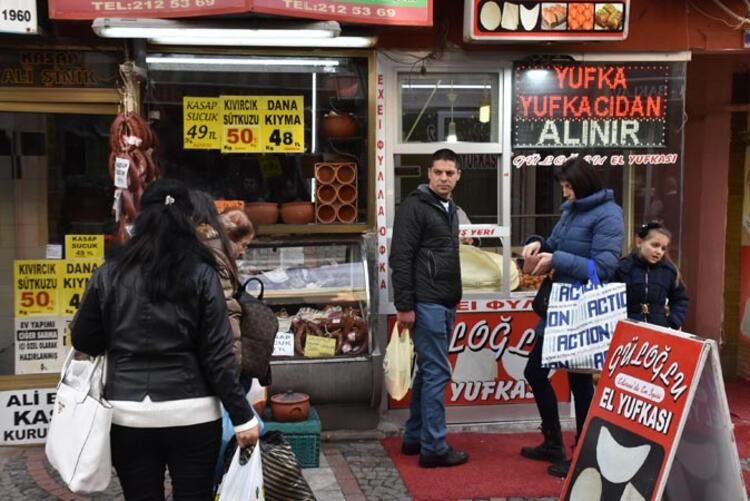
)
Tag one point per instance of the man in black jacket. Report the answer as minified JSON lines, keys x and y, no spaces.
{"x":426,"y":278}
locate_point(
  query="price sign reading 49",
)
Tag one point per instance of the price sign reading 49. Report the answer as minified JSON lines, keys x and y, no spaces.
{"x":200,"y":123}
{"x":36,"y":287}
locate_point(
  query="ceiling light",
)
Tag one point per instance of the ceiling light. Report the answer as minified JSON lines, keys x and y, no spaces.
{"x":186,"y":38}
{"x":451,"y":137}
{"x":159,"y":28}
{"x":236,"y":61}
{"x":439,"y":86}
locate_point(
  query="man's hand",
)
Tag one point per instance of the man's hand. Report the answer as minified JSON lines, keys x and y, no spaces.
{"x":531,"y":249}
{"x":405,"y":319}
{"x":248,"y":437}
{"x":544,"y":264}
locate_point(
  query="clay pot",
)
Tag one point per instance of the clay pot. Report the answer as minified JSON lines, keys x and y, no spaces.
{"x":290,"y":406}
{"x":347,"y":193}
{"x":326,"y":213}
{"x":347,"y":86}
{"x":325,"y":173}
{"x":297,"y":212}
{"x":262,"y":212}
{"x":346,"y":173}
{"x":346,"y":213}
{"x":336,"y":125}
{"x":326,"y":194}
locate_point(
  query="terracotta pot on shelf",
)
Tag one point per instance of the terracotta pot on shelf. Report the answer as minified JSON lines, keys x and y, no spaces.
{"x":261,"y":213}
{"x":347,"y":194}
{"x":326,"y":213}
{"x":339,"y":125}
{"x":325,"y":173}
{"x":297,"y":212}
{"x":346,"y":172}
{"x":326,"y":194}
{"x":290,"y":406}
{"x":346,"y":213}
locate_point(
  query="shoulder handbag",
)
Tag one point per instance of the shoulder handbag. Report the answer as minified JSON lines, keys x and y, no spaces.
{"x":258,"y":328}
{"x":78,"y":439}
{"x":541,"y":300}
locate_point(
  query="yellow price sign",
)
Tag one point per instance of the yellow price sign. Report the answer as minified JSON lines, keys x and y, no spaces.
{"x":240,"y":121}
{"x":75,"y":279}
{"x":36,"y":286}
{"x":283,"y":124}
{"x":201,"y":123}
{"x":84,"y":246}
{"x":319,"y":346}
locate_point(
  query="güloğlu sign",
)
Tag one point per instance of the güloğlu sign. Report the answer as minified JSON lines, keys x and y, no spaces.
{"x":659,"y":423}
{"x":591,"y":106}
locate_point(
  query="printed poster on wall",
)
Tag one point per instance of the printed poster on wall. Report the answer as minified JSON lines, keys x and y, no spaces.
{"x":25,"y":415}
{"x":488,"y":354}
{"x":39,"y":344}
{"x":638,"y":414}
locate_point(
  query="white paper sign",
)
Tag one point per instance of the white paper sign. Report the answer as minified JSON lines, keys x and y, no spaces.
{"x":39,"y":344}
{"x":54,"y":251}
{"x":25,"y":415}
{"x":121,"y":172}
{"x":283,"y":345}
{"x":18,"y":16}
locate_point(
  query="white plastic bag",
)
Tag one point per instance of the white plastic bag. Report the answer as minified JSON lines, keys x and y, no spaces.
{"x":397,"y":363}
{"x":243,"y":482}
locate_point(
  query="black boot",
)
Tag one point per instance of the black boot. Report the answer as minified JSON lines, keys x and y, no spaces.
{"x":551,"y":449}
{"x":559,"y":469}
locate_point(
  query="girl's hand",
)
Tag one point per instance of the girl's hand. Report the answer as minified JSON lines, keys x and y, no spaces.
{"x":531,"y":249}
{"x":544,"y":264}
{"x":249,"y":437}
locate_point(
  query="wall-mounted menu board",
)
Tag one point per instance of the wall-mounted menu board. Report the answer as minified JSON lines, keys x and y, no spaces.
{"x":498,"y":20}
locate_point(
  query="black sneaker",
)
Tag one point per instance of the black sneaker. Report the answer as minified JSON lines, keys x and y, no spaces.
{"x":450,"y":458}
{"x":408,"y":449}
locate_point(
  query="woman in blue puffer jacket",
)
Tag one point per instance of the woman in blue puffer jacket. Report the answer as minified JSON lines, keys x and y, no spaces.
{"x":591,"y":227}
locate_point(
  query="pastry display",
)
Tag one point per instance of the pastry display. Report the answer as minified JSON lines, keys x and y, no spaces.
{"x":609,"y":17}
{"x":581,"y":16}
{"x":510,"y":16}
{"x":530,"y":16}
{"x":553,"y":16}
{"x":490,"y":15}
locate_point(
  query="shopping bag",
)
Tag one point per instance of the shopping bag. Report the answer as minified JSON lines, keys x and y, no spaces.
{"x":78,"y":444}
{"x":397,"y":363}
{"x":581,"y":319}
{"x":282,"y":475}
{"x":244,"y":479}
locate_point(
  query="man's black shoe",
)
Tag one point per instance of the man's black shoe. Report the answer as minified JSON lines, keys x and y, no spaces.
{"x":408,"y":449}
{"x":559,"y":469}
{"x":450,"y":458}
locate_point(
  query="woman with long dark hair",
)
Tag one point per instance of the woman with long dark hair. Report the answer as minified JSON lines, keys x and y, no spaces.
{"x":156,"y":308}
{"x":591,"y":228}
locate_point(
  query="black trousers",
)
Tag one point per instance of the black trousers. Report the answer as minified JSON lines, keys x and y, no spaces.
{"x":582,"y":386}
{"x":140,"y":456}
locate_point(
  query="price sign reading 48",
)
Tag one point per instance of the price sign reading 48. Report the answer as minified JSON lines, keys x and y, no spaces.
{"x":36,"y":287}
{"x":283,"y":126}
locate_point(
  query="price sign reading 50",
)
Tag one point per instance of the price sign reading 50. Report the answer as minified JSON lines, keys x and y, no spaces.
{"x":241,"y":139}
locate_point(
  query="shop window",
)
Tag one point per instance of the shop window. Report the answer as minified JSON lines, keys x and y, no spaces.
{"x":448,"y":107}
{"x":271,"y":157}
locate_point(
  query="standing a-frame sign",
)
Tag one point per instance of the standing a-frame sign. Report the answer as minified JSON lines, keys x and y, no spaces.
{"x":659,"y":423}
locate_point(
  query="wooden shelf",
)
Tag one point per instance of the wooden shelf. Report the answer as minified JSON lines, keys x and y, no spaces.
{"x":310,"y":229}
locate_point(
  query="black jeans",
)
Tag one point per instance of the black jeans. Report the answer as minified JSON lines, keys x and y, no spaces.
{"x":140,"y":456}
{"x":582,"y":386}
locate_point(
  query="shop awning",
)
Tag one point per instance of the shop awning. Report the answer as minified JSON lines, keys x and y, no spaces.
{"x":377,"y":12}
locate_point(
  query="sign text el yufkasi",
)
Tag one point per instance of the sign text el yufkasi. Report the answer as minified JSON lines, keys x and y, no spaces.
{"x":591,"y":106}
{"x":245,"y":124}
{"x":380,"y":12}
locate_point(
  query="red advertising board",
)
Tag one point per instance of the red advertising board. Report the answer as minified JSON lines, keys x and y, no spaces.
{"x":380,"y":12}
{"x":146,"y":9}
{"x":488,"y":353}
{"x":638,"y":413}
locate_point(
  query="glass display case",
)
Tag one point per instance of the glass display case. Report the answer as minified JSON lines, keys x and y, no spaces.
{"x":319,"y":289}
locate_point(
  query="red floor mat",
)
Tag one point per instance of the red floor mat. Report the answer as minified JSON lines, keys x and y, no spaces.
{"x":495,"y":469}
